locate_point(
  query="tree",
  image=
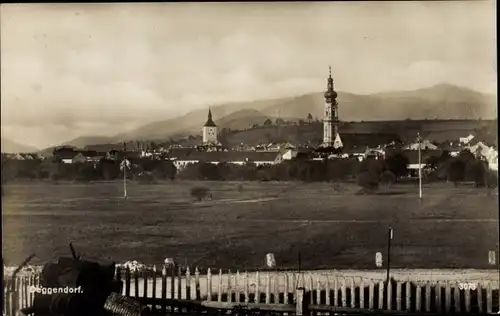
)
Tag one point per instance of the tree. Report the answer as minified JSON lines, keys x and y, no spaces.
{"x":388,"y":178}
{"x":369,"y":174}
{"x":397,"y":164}
{"x":199,"y":193}
{"x":309,"y":118}
{"x":279,"y":121}
{"x":268,"y":122}
{"x":456,"y":170}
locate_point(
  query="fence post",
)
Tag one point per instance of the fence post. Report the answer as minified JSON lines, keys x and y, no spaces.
{"x":371,"y":294}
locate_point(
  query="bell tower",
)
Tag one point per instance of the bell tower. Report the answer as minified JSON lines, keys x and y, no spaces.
{"x":210,"y":131}
{"x":331,"y":136}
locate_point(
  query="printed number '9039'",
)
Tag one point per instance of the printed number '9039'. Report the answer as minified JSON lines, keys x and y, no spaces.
{"x":467,"y":286}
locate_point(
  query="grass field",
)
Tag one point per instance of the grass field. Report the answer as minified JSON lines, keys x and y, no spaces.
{"x":329,"y":224}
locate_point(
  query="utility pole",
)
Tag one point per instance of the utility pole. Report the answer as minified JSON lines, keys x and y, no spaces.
{"x":389,"y":253}
{"x":124,"y":165}
{"x":419,"y":166}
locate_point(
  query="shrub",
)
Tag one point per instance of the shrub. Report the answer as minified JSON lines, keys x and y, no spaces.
{"x":199,"y":193}
{"x":388,"y":178}
{"x":367,"y":181}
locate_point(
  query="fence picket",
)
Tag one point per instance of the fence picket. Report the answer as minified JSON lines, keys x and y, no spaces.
{"x":219,"y":288}
{"x":179,"y":283}
{"x":362,"y":294}
{"x":344,"y":293}
{"x":437,"y":294}
{"x":136,"y":283}
{"x":389,"y":295}
{"x":268,"y":289}
{"x":467,"y":300}
{"x":188,"y":284}
{"x":336,"y":292}
{"x":480,"y":298}
{"x":371,"y":294}
{"x":318,"y":290}
{"x":247,"y":290}
{"x":209,"y":285}
{"x":408,"y":295}
{"x":197,"y":284}
{"x":381,"y":295}
{"x":418,"y":298}
{"x":456,"y":294}
{"x":448,"y":298}
{"x":277,"y":289}
{"x":172,"y":281}
{"x":427,"y":296}
{"x":153,"y":308}
{"x":163,"y":289}
{"x":127,"y":281}
{"x":287,"y":289}
{"x":229,"y":288}
{"x":257,"y":287}
{"x":311,"y":288}
{"x":237,"y":286}
{"x":353,"y":293}
{"x":145,"y":275}
{"x":398,"y":296}
{"x":489,"y":298}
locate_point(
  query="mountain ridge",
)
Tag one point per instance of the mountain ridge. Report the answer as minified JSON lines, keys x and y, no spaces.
{"x":442,"y":101}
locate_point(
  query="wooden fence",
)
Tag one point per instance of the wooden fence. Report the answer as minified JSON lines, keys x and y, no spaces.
{"x":178,"y":289}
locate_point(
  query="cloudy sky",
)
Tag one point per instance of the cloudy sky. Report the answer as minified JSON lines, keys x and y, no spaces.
{"x":70,"y":70}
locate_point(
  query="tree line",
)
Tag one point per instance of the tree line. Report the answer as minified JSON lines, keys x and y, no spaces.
{"x":369,"y":173}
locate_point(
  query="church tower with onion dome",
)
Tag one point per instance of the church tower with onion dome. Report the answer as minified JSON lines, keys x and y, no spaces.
{"x":331,"y":137}
{"x":210,"y":131}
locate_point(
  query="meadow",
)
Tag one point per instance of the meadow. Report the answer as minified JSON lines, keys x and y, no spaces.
{"x":329,"y":224}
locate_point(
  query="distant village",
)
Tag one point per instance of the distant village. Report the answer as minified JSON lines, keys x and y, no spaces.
{"x":333,"y":146}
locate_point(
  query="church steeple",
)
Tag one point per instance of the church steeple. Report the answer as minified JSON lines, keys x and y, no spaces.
{"x":210,"y":131}
{"x":210,"y":122}
{"x":330,"y":120}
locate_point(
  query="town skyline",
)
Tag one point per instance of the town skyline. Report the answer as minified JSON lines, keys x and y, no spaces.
{"x":56,"y":58}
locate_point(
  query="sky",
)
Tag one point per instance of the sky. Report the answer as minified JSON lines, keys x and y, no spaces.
{"x":70,"y":70}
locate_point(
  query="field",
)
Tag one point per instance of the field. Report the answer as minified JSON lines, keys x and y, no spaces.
{"x":329,"y":224}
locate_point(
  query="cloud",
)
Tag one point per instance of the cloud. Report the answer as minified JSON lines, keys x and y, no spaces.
{"x":68,"y":67}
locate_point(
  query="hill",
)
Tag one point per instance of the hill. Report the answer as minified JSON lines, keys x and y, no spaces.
{"x":83,"y":141}
{"x":9,"y":146}
{"x":441,"y":102}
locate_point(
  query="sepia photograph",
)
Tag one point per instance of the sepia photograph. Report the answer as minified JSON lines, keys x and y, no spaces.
{"x":249,"y":158}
